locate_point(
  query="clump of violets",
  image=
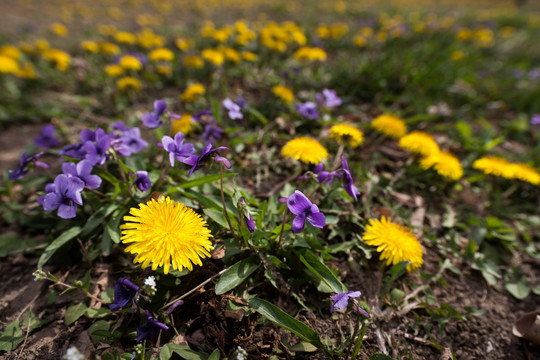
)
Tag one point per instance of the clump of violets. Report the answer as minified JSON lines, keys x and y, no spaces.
{"x":83,"y":171}
{"x":127,"y":141}
{"x":151,"y":328}
{"x":323,"y":176}
{"x":212,"y":132}
{"x":46,"y":138}
{"x":207,"y":152}
{"x":176,"y":148}
{"x":96,"y":145}
{"x":152,"y":120}
{"x":328,"y":98}
{"x":142,"y":181}
{"x":308,"y":109}
{"x":304,"y":210}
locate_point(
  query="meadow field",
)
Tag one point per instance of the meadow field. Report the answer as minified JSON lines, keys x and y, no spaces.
{"x":248,"y":179}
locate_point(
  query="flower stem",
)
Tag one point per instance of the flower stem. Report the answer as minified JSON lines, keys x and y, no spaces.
{"x":223,"y":200}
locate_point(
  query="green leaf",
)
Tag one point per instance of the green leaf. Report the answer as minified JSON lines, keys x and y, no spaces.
{"x":215,"y":355}
{"x":319,"y":269}
{"x":217,"y":216}
{"x":13,"y":334}
{"x":236,"y":274}
{"x":99,"y":330}
{"x":519,"y":289}
{"x":57,"y":244}
{"x":74,"y":312}
{"x":304,"y":346}
{"x":257,"y":115}
{"x":97,"y":218}
{"x":14,"y":244}
{"x":199,"y":181}
{"x":281,"y":318}
{"x":393,"y":274}
{"x":183,"y":350}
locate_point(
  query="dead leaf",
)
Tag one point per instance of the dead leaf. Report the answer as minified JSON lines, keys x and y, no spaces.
{"x":237,"y":314}
{"x":528,"y":327}
{"x":417,"y":217}
{"x":179,"y":340}
{"x":219,"y":253}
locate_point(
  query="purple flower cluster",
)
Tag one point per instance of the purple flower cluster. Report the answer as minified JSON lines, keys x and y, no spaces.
{"x":142,"y":181}
{"x":308,"y":109}
{"x":326,"y":177}
{"x":127,"y":141}
{"x":234,"y":109}
{"x":535,"y":120}
{"x":212,"y":132}
{"x":64,"y":194}
{"x":124,"y":292}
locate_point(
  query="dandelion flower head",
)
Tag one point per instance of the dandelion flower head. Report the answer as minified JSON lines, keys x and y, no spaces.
{"x":420,"y":143}
{"x":347,"y":134}
{"x":389,"y":125}
{"x":395,"y":242}
{"x":305,"y":149}
{"x":284,"y":93}
{"x":494,"y":165}
{"x":166,"y":233}
{"x":444,"y":163}
{"x":526,"y":173}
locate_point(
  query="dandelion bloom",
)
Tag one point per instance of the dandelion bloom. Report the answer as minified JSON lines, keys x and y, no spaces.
{"x":444,"y":163}
{"x":347,"y":134}
{"x":494,"y":165}
{"x":420,"y":143}
{"x":193,"y":61}
{"x":166,"y":233}
{"x":395,"y":242}
{"x":305,"y":149}
{"x":181,"y":124}
{"x":161,"y":54}
{"x":59,"y":58}
{"x":389,"y":125}
{"x":192,"y":92}
{"x":130,"y":62}
{"x":128,"y":83}
{"x":213,"y":56}
{"x":284,"y":93}
{"x":8,"y":65}
{"x":526,"y":173}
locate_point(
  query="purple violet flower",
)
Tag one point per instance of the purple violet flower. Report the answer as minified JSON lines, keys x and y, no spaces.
{"x":232,"y":108}
{"x":82,"y":170}
{"x":325,"y":177}
{"x":129,"y":142}
{"x":348,"y":180}
{"x":197,"y":162}
{"x":153,"y":120}
{"x":46,"y":138}
{"x":304,"y":210}
{"x":341,"y":300}
{"x":23,"y":169}
{"x":212,"y":133}
{"x":75,"y":151}
{"x":242,"y":103}
{"x":64,"y":194}
{"x":248,"y":218}
{"x":174,"y":306}
{"x":176,"y":148}
{"x":96,"y":150}
{"x":308,"y":109}
{"x":151,"y":328}
{"x":142,"y":182}
{"x":328,"y":98}
{"x":124,"y":292}
{"x":535,"y":120}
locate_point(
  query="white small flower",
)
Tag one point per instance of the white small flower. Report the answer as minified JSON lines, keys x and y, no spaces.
{"x":73,"y":353}
{"x":150,"y":282}
{"x":39,"y":275}
{"x":240,"y":353}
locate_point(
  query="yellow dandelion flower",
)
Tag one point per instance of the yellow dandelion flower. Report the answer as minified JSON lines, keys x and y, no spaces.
{"x":347,"y":134}
{"x":128,"y":83}
{"x":307,"y":53}
{"x":26,"y":71}
{"x":10,"y":51}
{"x":444,"y":163}
{"x":165,"y":232}
{"x":164,"y":69}
{"x":420,"y":143}
{"x":183,"y":44}
{"x":59,"y":29}
{"x":130,"y":62}
{"x":90,"y":46}
{"x":183,"y":124}
{"x":230,"y":54}
{"x":526,"y":173}
{"x":193,"y":61}
{"x":192,"y":92}
{"x":114,"y":70}
{"x":60,"y":58}
{"x":125,"y":37}
{"x":305,"y":149}
{"x":8,"y":65}
{"x":213,"y":56}
{"x":161,"y":54}
{"x":389,"y":125}
{"x":249,"y":56}
{"x":395,"y":242}
{"x":284,"y":93}
{"x":457,"y":55}
{"x":109,"y":48}
{"x":494,"y":165}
